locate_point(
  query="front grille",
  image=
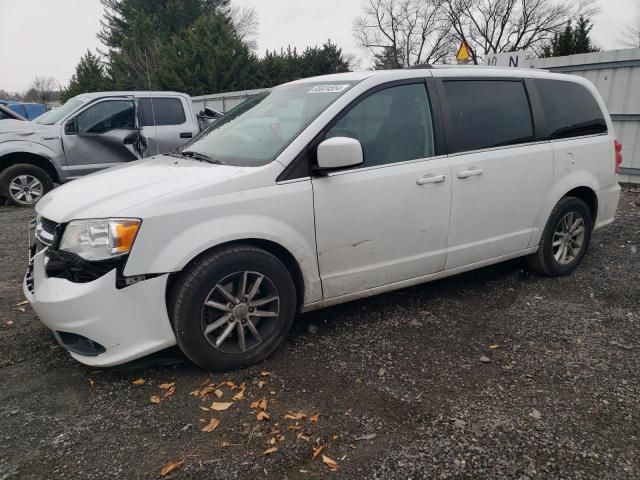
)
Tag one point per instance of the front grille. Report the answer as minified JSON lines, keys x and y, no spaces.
{"x":29,"y":277}
{"x":48,"y":226}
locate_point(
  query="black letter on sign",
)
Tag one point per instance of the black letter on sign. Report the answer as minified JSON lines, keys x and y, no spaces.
{"x":513,"y":61}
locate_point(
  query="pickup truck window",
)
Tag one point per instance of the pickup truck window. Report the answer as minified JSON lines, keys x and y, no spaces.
{"x":160,"y":111}
{"x":256,"y":131}
{"x":106,"y":116}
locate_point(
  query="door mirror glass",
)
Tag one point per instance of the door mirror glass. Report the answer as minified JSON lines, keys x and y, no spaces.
{"x":339,"y":152}
{"x":70,"y":127}
{"x":105,"y":116}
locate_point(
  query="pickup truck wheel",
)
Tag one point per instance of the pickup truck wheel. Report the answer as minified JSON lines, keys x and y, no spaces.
{"x":24,"y":184}
{"x":565,"y":239}
{"x":233,"y":308}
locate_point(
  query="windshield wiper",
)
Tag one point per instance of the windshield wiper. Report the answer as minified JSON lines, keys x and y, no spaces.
{"x":199,"y":156}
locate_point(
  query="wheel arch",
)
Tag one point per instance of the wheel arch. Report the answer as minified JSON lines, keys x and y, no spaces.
{"x":588,"y":196}
{"x":274,"y":248}
{"x":29,"y":158}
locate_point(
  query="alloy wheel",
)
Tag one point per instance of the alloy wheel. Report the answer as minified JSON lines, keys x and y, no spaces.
{"x":240,"y":312}
{"x":25,"y":189}
{"x":568,"y":238}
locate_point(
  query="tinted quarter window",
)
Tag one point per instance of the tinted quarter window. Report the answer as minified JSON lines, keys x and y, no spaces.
{"x":570,"y":110}
{"x":486,"y":114}
{"x":168,"y":111}
{"x":393,"y":125}
{"x":105,"y":116}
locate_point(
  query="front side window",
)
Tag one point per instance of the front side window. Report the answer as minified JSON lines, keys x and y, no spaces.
{"x":256,"y":131}
{"x":570,"y":110}
{"x":393,"y":125}
{"x":161,"y":112}
{"x":106,"y":116}
{"x":487,"y":114}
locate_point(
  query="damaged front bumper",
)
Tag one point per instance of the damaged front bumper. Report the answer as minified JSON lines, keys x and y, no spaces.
{"x":99,"y":324}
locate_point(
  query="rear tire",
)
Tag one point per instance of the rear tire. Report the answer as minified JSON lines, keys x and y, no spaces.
{"x":565,"y":239}
{"x":216,"y":300}
{"x":24,"y":184}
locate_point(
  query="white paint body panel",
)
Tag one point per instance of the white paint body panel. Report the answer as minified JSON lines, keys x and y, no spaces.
{"x":377,"y":228}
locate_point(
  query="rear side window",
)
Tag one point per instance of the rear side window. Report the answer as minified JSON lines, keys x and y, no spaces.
{"x":486,"y":114}
{"x":168,"y":111}
{"x":570,"y":110}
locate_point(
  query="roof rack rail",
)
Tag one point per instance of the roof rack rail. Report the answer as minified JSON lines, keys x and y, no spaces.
{"x":419,"y":66}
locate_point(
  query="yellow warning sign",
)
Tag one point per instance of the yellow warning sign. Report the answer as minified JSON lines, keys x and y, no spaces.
{"x":464,"y":53}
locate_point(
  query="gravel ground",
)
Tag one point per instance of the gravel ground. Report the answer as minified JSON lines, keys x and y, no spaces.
{"x":497,"y":373}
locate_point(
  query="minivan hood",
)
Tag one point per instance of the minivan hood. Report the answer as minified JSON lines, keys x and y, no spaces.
{"x":110,"y":192}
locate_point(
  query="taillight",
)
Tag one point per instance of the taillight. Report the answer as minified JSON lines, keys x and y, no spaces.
{"x":618,"y":150}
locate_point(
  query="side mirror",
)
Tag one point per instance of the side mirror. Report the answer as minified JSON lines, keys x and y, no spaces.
{"x":70,"y":127}
{"x":339,"y":152}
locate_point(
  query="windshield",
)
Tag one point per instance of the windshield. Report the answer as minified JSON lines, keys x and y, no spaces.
{"x":256,"y":131}
{"x":54,"y":116}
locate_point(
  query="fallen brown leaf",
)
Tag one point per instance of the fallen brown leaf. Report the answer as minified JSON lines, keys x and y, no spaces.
{"x":206,"y":391}
{"x":329,"y":463}
{"x":10,"y":322}
{"x":218,"y":393}
{"x":24,"y":302}
{"x":493,"y":346}
{"x":295,"y":416}
{"x":239,"y":396}
{"x":295,"y":427}
{"x":269,"y":451}
{"x":170,"y":392}
{"x":205,"y":409}
{"x":302,"y":436}
{"x":139,"y":381}
{"x":315,"y":418}
{"x":262,"y":415}
{"x":170,"y":467}
{"x":261,"y":383}
{"x":265,"y":373}
{"x":195,"y":393}
{"x":92,"y":383}
{"x":154,"y":399}
{"x":220,"y":406}
{"x":166,"y":386}
{"x":254,"y":404}
{"x":211,"y":426}
{"x":262,"y":404}
{"x":230,"y":384}
{"x":22,"y":309}
{"x":208,"y":380}
{"x":272,"y":441}
{"x":316,"y":452}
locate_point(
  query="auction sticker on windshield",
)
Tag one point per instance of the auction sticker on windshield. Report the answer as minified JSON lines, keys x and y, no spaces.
{"x":328,"y":88}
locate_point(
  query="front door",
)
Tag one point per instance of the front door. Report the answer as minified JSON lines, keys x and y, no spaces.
{"x":385,"y":221}
{"x":500,"y":173}
{"x":101,"y":136}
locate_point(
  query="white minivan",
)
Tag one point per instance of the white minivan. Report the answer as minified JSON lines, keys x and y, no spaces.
{"x":318,"y":192}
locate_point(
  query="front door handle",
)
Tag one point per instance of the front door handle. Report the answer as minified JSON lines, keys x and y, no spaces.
{"x":431,"y":179}
{"x":186,"y":135}
{"x":470,"y":173}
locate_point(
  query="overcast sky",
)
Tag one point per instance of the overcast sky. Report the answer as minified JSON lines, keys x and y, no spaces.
{"x":48,"y":37}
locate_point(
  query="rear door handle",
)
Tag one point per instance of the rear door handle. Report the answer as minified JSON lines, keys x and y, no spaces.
{"x":186,"y":135}
{"x":470,"y":173}
{"x":431,"y":179}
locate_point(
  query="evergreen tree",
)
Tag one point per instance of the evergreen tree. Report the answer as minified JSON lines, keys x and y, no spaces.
{"x":386,"y":60}
{"x":88,"y":77}
{"x":572,"y":40}
{"x":208,"y":57}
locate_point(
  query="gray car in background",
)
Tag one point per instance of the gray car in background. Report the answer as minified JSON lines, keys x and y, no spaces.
{"x":88,"y":133}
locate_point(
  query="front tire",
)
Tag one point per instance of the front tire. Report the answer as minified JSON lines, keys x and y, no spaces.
{"x":232,"y":308}
{"x":565,"y":239}
{"x":24,"y":184}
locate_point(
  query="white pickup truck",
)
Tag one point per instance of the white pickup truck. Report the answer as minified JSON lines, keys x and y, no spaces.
{"x":91,"y":132}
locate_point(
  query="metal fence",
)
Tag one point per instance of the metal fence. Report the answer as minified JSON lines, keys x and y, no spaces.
{"x":223,"y":102}
{"x":616,"y":75}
